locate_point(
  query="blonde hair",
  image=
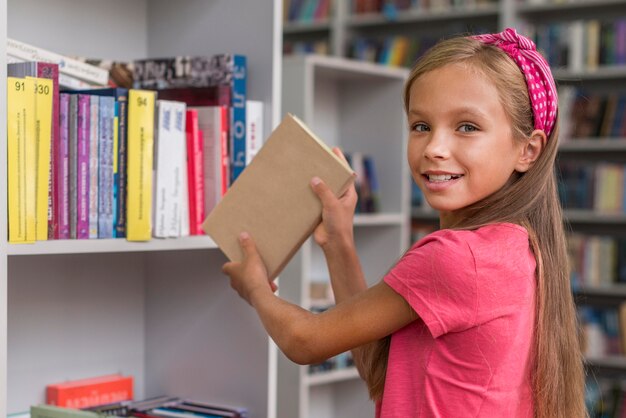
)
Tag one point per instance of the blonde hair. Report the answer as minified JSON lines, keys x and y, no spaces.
{"x":531,"y":200}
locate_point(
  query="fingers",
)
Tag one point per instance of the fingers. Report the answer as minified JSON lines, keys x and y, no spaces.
{"x":323,"y":191}
{"x":340,"y":154}
{"x":247,"y":245}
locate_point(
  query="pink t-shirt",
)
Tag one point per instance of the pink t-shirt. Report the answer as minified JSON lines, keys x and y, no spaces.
{"x":469,"y":353}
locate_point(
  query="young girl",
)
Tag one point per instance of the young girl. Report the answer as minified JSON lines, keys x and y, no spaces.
{"x":476,"y":319}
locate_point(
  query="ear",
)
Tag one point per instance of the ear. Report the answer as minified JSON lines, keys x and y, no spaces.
{"x":531,"y":150}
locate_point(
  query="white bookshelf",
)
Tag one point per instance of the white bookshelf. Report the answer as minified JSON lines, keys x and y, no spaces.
{"x":358,"y":107}
{"x":160,"y":311}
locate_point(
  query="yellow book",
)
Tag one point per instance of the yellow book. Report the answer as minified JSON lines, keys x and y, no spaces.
{"x":16,"y":114}
{"x":139,"y":167}
{"x":30,"y":153}
{"x":43,"y":143}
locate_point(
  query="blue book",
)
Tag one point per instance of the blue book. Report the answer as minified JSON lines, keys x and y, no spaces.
{"x":236,"y":66}
{"x":105,"y":165}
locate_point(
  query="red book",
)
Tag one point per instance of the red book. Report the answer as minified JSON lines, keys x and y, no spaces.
{"x":89,"y":392}
{"x":195,"y":173}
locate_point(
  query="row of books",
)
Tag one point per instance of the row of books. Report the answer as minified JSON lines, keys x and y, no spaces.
{"x":81,"y":161}
{"x":159,"y":407}
{"x":588,"y":114}
{"x":599,"y":187}
{"x":306,"y":10}
{"x":399,"y":51}
{"x":603,"y":331}
{"x":582,"y":44}
{"x":596,"y":260}
{"x":390,"y":7}
{"x":320,"y":47}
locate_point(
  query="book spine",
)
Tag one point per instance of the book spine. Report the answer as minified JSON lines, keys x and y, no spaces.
{"x":30,"y":150}
{"x":73,"y":162}
{"x":51,"y":71}
{"x":44,"y":92}
{"x":114,"y":166}
{"x":82,"y":176}
{"x":120,"y":178}
{"x":195,"y":173}
{"x":140,"y":158}
{"x":67,"y":65}
{"x":62,"y":169}
{"x":162,"y":174}
{"x":178,"y":157}
{"x":16,"y":104}
{"x":90,"y":394}
{"x":238,"y":117}
{"x":94,"y":163}
{"x":254,"y":128}
{"x":105,"y":180}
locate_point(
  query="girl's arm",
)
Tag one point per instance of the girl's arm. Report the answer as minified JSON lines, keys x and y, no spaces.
{"x":308,"y":338}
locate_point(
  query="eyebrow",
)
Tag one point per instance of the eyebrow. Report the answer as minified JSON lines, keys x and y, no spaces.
{"x":465,"y":110}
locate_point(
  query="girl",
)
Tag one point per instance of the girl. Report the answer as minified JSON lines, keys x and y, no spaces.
{"x":476,"y":319}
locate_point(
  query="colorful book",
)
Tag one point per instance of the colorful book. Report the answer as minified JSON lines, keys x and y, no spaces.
{"x":62,"y":169}
{"x":44,"y":89}
{"x":213,"y":122}
{"x":120,"y":156}
{"x":48,"y":71}
{"x":106,"y":157}
{"x":195,"y":172}
{"x":141,"y":105}
{"x":84,"y":393}
{"x":82,"y":165}
{"x":94,"y":164}
{"x":170,"y":143}
{"x":274,"y":194}
{"x":20,"y":138}
{"x":50,"y":411}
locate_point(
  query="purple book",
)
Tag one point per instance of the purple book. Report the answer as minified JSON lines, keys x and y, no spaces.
{"x":82,"y":175}
{"x":62,"y":163}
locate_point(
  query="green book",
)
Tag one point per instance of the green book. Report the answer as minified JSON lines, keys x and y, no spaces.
{"x":49,"y":411}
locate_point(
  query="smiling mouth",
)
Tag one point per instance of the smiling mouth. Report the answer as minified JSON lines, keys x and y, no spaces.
{"x":439,"y":178}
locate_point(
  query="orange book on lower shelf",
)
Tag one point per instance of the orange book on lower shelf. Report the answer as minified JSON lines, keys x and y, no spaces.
{"x":88,"y":392}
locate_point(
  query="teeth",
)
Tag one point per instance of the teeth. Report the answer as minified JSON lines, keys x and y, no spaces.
{"x":441,"y":177}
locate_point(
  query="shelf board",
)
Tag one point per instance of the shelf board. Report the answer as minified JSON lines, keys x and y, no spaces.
{"x":587,"y":145}
{"x":114,"y":245}
{"x":378,"y":219}
{"x":612,"y":365}
{"x":612,"y":295}
{"x":424,"y":215}
{"x":334,"y":376}
{"x":578,"y":216}
{"x":422,"y":16}
{"x":602,"y":73}
{"x":298,"y":27}
{"x":526,"y":8}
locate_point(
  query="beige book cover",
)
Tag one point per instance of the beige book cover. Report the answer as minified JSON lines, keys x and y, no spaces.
{"x":273,"y":200}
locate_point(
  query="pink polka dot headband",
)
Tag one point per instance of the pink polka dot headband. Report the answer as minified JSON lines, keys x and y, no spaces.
{"x":541,"y":87}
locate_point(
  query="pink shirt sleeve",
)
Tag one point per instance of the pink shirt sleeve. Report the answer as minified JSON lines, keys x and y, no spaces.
{"x":437,"y":277}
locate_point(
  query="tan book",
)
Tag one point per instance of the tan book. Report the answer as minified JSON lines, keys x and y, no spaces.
{"x":273,"y":200}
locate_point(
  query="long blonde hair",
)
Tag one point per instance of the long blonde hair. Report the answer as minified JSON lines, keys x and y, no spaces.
{"x":531,"y":200}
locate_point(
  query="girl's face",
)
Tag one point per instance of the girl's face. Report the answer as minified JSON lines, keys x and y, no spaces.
{"x":461,"y":148}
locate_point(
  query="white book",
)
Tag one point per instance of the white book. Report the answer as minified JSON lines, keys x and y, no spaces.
{"x":254,"y":128}
{"x":168,"y":167}
{"x":576,"y":46}
{"x":94,"y":147}
{"x":69,"y":66}
{"x":213,"y":122}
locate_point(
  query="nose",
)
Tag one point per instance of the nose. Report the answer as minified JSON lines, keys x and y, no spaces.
{"x":437,"y":147}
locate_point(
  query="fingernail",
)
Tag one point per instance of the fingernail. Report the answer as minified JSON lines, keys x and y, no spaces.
{"x":244,"y":236}
{"x":315,"y":181}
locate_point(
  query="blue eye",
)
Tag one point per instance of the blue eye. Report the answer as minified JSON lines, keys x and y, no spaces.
{"x":467,"y":128}
{"x":420,"y":127}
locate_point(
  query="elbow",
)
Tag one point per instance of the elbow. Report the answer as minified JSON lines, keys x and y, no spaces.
{"x":301,"y":347}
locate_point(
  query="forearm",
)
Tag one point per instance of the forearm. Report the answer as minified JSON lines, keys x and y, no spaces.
{"x":346,"y":274}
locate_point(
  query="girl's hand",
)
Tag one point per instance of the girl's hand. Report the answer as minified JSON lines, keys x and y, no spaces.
{"x":249,"y":275}
{"x":337,"y":213}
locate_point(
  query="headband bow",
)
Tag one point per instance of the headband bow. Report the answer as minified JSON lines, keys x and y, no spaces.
{"x":539,"y":80}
